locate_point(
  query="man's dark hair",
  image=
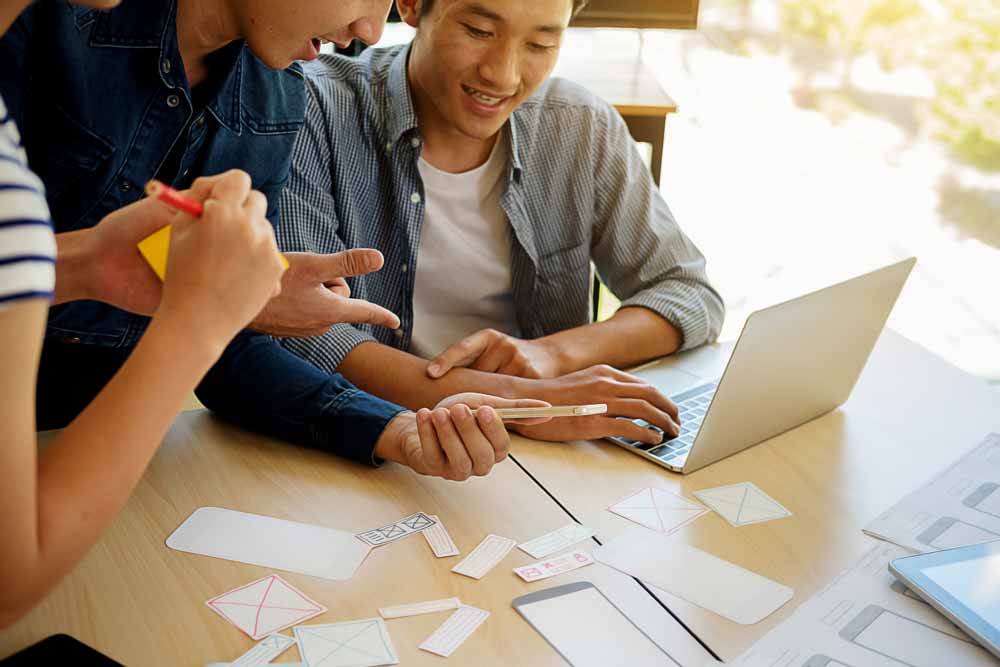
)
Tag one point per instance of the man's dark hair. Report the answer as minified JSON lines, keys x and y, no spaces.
{"x":578,"y":5}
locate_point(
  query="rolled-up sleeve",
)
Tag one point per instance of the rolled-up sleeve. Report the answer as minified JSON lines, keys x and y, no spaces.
{"x":640,"y":251}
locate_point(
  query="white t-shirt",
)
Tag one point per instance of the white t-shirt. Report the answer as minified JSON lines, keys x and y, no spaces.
{"x":463,"y":280}
{"x":27,"y":244}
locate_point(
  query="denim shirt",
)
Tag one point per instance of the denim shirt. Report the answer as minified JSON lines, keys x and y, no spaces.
{"x":104,"y":105}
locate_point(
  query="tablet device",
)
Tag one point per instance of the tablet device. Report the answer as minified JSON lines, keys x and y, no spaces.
{"x":963,"y":584}
{"x":59,"y":650}
{"x":587,"y":629}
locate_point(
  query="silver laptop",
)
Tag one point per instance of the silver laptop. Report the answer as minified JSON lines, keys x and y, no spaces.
{"x":793,"y":362}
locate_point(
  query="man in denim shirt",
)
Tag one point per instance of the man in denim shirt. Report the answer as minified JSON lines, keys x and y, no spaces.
{"x":490,"y":188}
{"x":174,"y":89}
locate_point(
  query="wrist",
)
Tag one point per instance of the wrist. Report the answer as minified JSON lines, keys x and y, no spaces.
{"x":389,"y":444}
{"x":75,"y":262}
{"x":560,"y":350}
{"x":192,"y":327}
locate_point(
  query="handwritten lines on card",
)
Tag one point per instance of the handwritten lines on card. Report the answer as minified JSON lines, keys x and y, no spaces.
{"x":455,"y":630}
{"x":485,"y":557}
{"x":439,"y":540}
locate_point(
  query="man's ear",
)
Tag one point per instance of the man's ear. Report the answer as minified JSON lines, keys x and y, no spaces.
{"x":409,"y":11}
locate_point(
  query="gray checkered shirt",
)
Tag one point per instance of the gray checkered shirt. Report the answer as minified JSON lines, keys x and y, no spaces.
{"x":577,"y":192}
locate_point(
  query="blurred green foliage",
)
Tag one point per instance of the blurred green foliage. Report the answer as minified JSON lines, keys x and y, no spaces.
{"x":956,"y":42}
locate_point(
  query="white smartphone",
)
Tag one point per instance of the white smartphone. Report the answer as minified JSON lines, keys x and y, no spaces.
{"x":554,"y":411}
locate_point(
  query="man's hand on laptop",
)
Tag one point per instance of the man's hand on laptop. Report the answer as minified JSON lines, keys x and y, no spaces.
{"x":314,"y":295}
{"x":625,"y":395}
{"x":462,"y":436}
{"x":493,"y":351}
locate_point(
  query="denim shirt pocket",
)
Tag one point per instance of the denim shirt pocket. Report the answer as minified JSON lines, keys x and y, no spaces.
{"x":68,"y":152}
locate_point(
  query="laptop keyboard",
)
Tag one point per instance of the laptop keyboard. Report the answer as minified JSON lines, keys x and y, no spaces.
{"x":692,"y":406}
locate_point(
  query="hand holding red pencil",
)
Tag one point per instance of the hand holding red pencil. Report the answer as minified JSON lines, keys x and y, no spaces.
{"x":223,"y":266}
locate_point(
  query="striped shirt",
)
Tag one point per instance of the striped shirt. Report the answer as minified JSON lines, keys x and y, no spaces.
{"x":576,"y":192}
{"x":27,"y":244}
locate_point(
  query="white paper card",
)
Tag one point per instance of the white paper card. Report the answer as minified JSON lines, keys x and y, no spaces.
{"x":272,"y":543}
{"x":265,"y":606}
{"x":485,"y":557}
{"x":455,"y":630}
{"x":959,"y":507}
{"x":414,"y":523}
{"x":439,"y":540}
{"x":363,"y":643}
{"x":264,"y":652}
{"x":550,"y":568}
{"x":694,"y":575}
{"x":742,"y":504}
{"x":417,"y":608}
{"x":658,"y":510}
{"x":557,"y":540}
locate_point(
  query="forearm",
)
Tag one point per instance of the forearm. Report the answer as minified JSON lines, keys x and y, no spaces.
{"x":74,"y":259}
{"x":630,"y":337}
{"x":402,"y":378}
{"x":259,"y":385}
{"x":85,"y":475}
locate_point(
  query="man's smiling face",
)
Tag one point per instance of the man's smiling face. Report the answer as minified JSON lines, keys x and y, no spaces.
{"x":476,"y":61}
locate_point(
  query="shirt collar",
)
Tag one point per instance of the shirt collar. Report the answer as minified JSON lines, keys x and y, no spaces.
{"x":402,"y":117}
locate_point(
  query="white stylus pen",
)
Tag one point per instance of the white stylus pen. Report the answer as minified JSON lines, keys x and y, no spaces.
{"x":554,"y":411}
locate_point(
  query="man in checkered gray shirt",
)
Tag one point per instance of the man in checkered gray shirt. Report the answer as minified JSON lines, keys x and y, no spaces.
{"x":490,"y":188}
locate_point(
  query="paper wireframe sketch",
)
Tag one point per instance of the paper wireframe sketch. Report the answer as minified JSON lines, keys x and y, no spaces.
{"x":417,"y":608}
{"x":439,"y":540}
{"x":557,"y":540}
{"x":363,"y":643}
{"x":658,"y":510}
{"x":860,"y":621}
{"x":272,"y":543}
{"x":958,"y":507}
{"x":553,"y":566}
{"x":396,"y":531}
{"x":265,"y":606}
{"x":700,"y":578}
{"x":455,"y":630}
{"x":485,"y":557}
{"x":742,"y":504}
{"x":264,"y":652}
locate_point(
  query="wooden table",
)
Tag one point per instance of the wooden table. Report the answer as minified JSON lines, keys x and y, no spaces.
{"x":611,"y":66}
{"x":910,"y":415}
{"x":143,"y":604}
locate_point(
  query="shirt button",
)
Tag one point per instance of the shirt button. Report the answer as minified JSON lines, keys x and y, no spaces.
{"x":124,"y":186}
{"x":415,"y":142}
{"x":388,"y":147}
{"x":403,"y":268}
{"x":398,"y":333}
{"x":415,"y":198}
{"x":201,"y":121}
{"x":173,"y":101}
{"x":186,"y":172}
{"x":165,"y":66}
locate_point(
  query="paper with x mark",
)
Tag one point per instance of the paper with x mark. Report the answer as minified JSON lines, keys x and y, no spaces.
{"x":742,"y":504}
{"x":363,"y":643}
{"x":265,"y":606}
{"x":414,"y":523}
{"x":658,"y":510}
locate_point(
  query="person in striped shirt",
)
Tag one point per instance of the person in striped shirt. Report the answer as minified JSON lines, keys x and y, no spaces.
{"x":491,"y":188}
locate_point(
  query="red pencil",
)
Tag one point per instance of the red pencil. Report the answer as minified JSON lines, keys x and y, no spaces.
{"x":171,"y":197}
